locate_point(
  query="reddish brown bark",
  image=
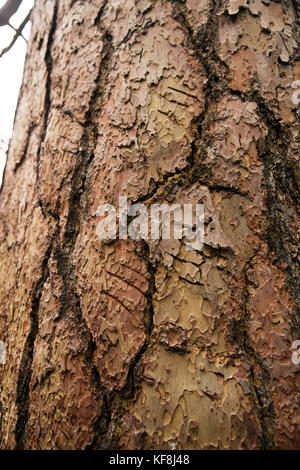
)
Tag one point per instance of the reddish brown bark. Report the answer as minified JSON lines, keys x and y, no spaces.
{"x":146,"y":345}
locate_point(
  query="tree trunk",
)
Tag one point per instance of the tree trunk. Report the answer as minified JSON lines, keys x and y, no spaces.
{"x":145,"y":344}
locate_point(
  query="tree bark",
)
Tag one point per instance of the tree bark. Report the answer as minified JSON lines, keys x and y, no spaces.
{"x":145,"y":344}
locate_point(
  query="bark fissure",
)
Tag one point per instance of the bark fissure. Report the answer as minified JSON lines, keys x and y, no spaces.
{"x":217,"y":85}
{"x":70,"y":300}
{"x":281,"y":240}
{"x":88,"y":144}
{"x":100,"y":13}
{"x":260,"y":377}
{"x":47,"y":99}
{"x":131,"y":384}
{"x":283,"y":198}
{"x":25,"y":368}
{"x":49,"y":67}
{"x":24,"y":153}
{"x":117,"y":401}
{"x":194,"y":172}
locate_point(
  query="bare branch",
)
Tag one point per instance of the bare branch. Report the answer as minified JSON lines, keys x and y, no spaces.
{"x":18,"y":33}
{"x":16,"y":29}
{"x":8,"y":10}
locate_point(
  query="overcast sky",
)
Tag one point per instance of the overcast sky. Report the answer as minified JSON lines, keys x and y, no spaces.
{"x":11,"y":69}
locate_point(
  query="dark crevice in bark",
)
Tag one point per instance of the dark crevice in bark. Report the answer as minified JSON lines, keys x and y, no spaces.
{"x":282,"y":195}
{"x":283,"y":203}
{"x":133,"y":378}
{"x":47,"y":99}
{"x":24,"y":153}
{"x":100,"y":13}
{"x":49,"y":66}
{"x":202,"y":43}
{"x":181,"y":260}
{"x":88,"y":144}
{"x":108,"y":438}
{"x":101,"y":439}
{"x":194,"y":172}
{"x":70,"y":305}
{"x":73,"y":3}
{"x":282,"y":239}
{"x":78,"y":183}
{"x":193,"y":283}
{"x":259,"y":376}
{"x":25,"y":369}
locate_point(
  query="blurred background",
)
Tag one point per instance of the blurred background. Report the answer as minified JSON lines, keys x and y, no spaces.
{"x":11,"y":70}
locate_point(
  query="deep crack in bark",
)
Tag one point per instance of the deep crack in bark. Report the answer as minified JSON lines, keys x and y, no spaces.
{"x":25,"y":369}
{"x":70,"y":301}
{"x":260,"y":377}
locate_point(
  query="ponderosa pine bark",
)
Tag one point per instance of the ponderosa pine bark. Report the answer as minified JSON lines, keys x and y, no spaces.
{"x":145,"y":344}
